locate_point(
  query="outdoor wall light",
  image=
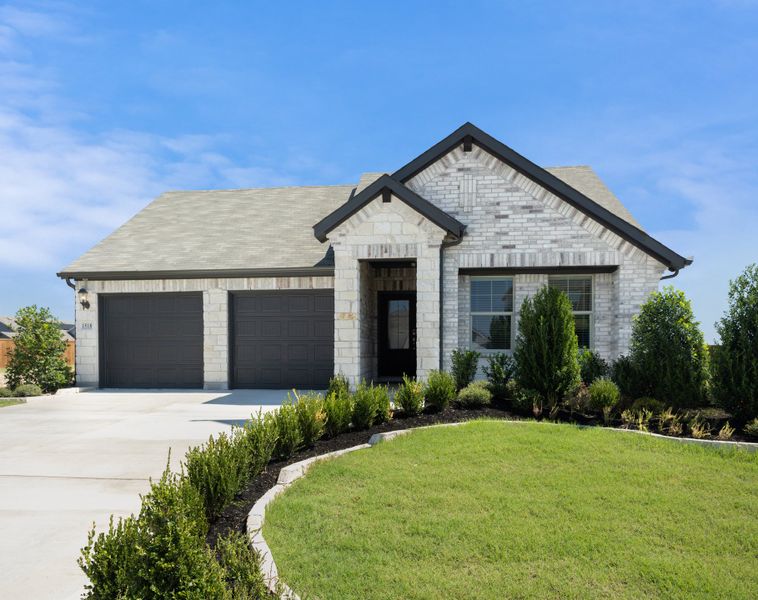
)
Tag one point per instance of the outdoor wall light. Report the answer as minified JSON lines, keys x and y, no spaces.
{"x":83,"y":300}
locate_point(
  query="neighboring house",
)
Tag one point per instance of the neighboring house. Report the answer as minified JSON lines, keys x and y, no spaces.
{"x":283,"y":287}
{"x":8,"y":332}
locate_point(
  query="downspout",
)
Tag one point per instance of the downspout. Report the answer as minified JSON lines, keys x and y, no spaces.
{"x":444,"y":245}
{"x":674,"y":274}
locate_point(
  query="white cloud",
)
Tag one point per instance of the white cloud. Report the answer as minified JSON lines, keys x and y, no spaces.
{"x":63,"y":189}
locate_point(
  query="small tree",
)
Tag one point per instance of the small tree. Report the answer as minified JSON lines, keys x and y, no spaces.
{"x":735,"y":362}
{"x":668,"y":352}
{"x":37,"y":356}
{"x":547,"y":348}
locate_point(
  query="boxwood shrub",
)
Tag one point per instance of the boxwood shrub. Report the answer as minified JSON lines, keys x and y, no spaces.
{"x":474,"y":395}
{"x":439,"y":390}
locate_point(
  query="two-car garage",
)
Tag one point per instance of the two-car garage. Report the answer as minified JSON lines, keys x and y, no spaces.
{"x":277,"y":339}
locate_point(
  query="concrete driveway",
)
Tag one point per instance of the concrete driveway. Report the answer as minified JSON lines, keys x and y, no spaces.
{"x":67,"y":461}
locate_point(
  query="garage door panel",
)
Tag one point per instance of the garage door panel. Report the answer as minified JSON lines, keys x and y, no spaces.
{"x":151,"y":340}
{"x":280,"y":340}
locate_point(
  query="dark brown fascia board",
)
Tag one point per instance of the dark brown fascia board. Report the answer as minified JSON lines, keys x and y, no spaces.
{"x":197,"y":274}
{"x":583,"y":270}
{"x":387,"y":183}
{"x":550,"y":182}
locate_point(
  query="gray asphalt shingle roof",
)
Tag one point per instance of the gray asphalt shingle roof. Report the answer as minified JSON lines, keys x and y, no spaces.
{"x":266,"y":228}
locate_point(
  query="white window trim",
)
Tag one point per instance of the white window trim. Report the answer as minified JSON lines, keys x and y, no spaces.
{"x":472,"y":313}
{"x":591,"y":313}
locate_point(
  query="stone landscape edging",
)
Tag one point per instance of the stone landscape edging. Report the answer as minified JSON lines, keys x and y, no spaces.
{"x":291,"y":473}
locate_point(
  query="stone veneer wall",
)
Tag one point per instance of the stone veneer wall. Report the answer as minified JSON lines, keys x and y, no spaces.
{"x":383,"y":231}
{"x":512,"y":222}
{"x":215,"y":317}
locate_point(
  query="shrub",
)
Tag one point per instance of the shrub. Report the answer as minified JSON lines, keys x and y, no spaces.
{"x":382,"y":403}
{"x":592,"y":366}
{"x":726,"y":432}
{"x":218,"y":470}
{"x":288,"y":435}
{"x":364,"y":406}
{"x":546,"y":347}
{"x":241,"y":566}
{"x":465,"y":364}
{"x":410,"y":397}
{"x":643,"y":417}
{"x":524,"y":401}
{"x":665,"y":418}
{"x":579,"y":400}
{"x":160,"y":554}
{"x":338,"y":407}
{"x":338,"y":385}
{"x":668,"y":352}
{"x":474,"y":395}
{"x":499,"y":370}
{"x":604,"y":395}
{"x":624,"y":375}
{"x":651,"y":404}
{"x":699,"y":428}
{"x":751,"y":428}
{"x":310,"y":417}
{"x":5,"y":393}
{"x":27,"y":390}
{"x":37,"y":354}
{"x":628,"y":417}
{"x":735,"y":361}
{"x":439,"y":391}
{"x":260,"y":435}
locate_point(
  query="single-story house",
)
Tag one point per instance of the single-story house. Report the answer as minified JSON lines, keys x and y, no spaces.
{"x":282,"y":287}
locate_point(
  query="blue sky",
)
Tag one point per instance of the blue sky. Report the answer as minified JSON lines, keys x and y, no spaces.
{"x":104,"y":105}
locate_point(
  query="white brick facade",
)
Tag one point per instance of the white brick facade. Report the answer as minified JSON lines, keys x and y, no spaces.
{"x":514,"y":223}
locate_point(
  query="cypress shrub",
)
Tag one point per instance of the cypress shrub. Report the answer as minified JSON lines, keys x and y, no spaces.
{"x":735,"y":361}
{"x":547,"y":347}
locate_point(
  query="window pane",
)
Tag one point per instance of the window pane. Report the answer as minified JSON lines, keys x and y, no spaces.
{"x":502,"y":295}
{"x":491,"y":332}
{"x":481,"y":295}
{"x":398,"y":324}
{"x":582,"y":324}
{"x":579,"y":291}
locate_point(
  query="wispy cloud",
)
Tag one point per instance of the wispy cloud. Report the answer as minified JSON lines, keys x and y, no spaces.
{"x":64,"y":189}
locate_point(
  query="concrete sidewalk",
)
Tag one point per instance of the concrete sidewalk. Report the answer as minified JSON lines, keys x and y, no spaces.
{"x":67,"y":461}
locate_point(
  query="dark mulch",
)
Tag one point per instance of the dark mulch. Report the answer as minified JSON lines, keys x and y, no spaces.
{"x":234,"y":516}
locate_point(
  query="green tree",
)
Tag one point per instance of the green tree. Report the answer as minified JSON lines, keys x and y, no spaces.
{"x":37,"y":356}
{"x":735,"y":361}
{"x":668,"y":352}
{"x":547,"y":348}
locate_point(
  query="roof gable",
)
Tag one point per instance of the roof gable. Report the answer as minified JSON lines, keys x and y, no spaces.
{"x":387,"y":185}
{"x":468,"y":134}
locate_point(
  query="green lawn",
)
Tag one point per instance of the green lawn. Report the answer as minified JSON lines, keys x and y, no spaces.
{"x":10,"y":401}
{"x":522,"y":510}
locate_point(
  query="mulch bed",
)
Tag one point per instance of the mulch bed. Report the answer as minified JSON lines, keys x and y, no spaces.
{"x":234,"y":516}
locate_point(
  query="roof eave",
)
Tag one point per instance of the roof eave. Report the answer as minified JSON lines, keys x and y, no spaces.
{"x":626,"y":230}
{"x":436,"y":215}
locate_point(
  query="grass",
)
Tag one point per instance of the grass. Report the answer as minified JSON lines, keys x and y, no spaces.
{"x":522,"y":510}
{"x":11,"y":401}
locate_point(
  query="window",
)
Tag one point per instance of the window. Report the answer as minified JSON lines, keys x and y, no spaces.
{"x":579,"y":291}
{"x":491,"y":313}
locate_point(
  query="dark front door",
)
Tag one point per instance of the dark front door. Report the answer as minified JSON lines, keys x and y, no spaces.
{"x":397,"y":334}
{"x":282,"y":339}
{"x":151,"y":340}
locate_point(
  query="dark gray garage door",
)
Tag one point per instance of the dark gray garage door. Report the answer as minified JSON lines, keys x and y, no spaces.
{"x":282,"y":339}
{"x":151,"y":340}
